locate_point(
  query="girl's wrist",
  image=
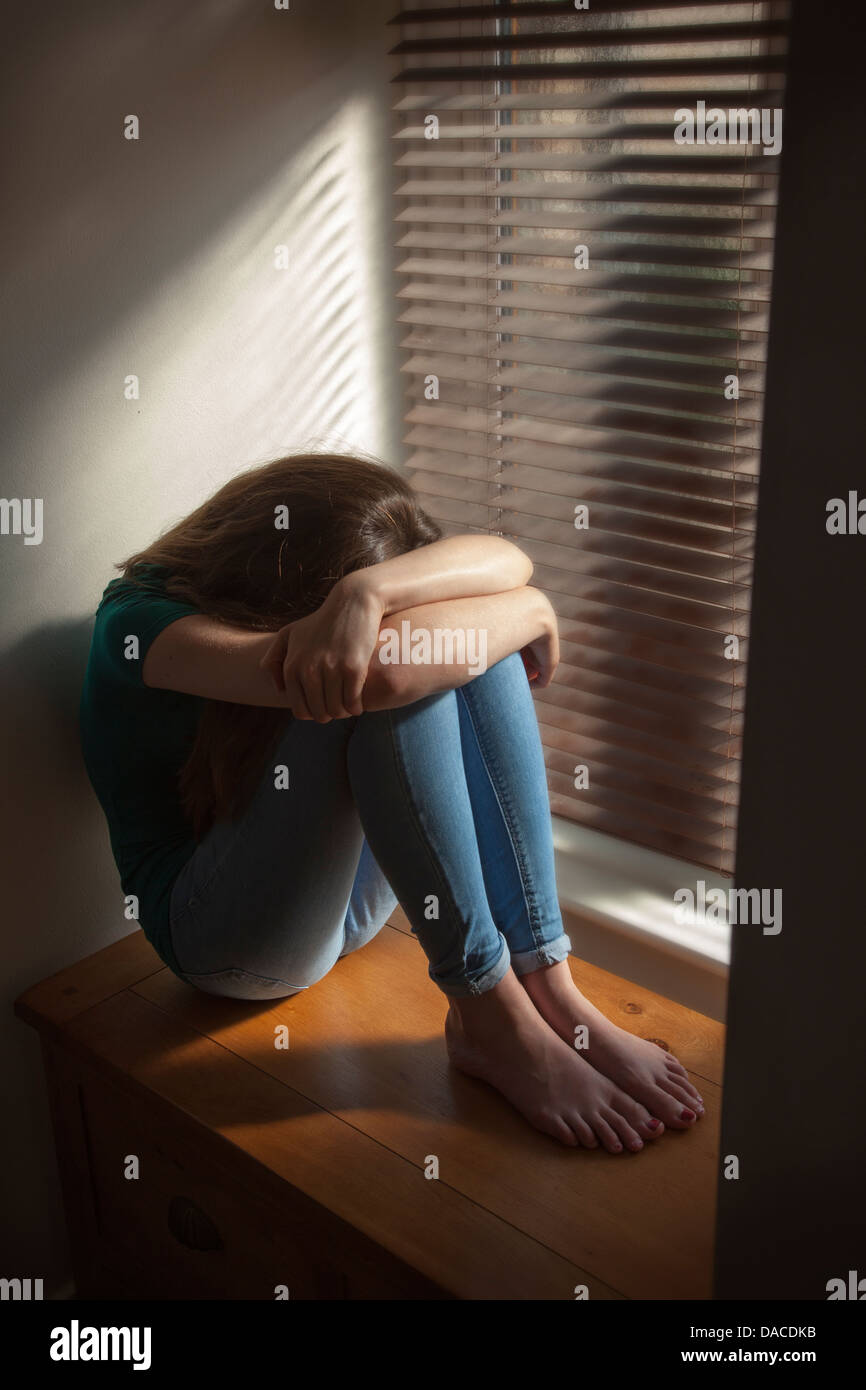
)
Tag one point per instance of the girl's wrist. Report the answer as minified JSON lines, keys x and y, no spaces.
{"x":361,"y":591}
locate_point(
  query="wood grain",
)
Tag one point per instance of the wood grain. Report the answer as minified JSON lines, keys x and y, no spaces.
{"x":366,"y":1045}
{"x":281,"y":1142}
{"x":323,"y":1147}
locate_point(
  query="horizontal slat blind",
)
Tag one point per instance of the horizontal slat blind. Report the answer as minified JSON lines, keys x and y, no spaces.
{"x":541,"y":380}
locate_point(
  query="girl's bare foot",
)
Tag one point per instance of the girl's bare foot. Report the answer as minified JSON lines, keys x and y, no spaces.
{"x":643,"y":1070}
{"x":500,"y":1037}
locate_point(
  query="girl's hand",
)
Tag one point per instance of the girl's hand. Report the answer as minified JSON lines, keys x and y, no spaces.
{"x":541,"y":657}
{"x":321,"y":662}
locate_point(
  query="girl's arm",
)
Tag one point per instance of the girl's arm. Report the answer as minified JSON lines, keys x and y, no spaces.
{"x":457,"y":640}
{"x":322,"y":662}
{"x":318,"y":666}
{"x":457,"y":567}
{"x":207,"y":657}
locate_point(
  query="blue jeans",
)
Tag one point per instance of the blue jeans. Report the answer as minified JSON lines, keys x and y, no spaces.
{"x":440,"y":805}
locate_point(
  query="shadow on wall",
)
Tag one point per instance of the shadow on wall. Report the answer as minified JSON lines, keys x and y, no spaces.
{"x":49,"y":894}
{"x":156,"y":258}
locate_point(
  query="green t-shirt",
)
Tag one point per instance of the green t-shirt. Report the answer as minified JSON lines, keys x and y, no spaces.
{"x":135,"y":740}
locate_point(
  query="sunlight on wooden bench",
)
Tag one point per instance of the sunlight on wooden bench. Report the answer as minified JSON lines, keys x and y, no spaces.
{"x":266,"y":1170}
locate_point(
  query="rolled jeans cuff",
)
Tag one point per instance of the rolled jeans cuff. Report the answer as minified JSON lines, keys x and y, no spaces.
{"x":524,"y":962}
{"x":465,"y":988}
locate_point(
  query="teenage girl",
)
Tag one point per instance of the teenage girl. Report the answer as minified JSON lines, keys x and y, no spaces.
{"x":274,"y":787}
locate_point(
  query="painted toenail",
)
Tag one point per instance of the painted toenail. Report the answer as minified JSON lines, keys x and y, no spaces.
{"x":687,"y":1115}
{"x":652,"y":1124}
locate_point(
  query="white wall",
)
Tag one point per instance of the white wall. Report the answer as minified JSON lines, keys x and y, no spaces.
{"x":156,"y":258}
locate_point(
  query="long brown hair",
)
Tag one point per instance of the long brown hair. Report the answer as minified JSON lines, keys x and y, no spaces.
{"x":230,"y":559}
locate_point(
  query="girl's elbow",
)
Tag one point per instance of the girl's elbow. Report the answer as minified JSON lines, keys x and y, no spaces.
{"x":523,"y":565}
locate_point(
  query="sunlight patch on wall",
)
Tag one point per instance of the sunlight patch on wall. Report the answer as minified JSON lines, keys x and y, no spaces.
{"x":237,"y":360}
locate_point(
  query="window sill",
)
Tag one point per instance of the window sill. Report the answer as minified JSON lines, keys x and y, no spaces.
{"x":619,"y":898}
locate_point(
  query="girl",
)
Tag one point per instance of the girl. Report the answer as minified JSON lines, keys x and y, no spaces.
{"x":273,"y":785}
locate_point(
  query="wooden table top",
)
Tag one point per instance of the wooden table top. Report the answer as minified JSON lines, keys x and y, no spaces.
{"x":351,"y":1110}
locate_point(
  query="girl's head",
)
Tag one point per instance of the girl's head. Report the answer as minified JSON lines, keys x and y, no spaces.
{"x":267,"y":549}
{"x":269,"y":546}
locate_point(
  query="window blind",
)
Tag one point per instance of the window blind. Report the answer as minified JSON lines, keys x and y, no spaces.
{"x":583,"y":307}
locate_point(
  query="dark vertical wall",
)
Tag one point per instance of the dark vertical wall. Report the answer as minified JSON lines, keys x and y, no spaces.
{"x":794,"y":1076}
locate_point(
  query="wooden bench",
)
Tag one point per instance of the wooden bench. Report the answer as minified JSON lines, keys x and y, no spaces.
{"x":263,"y":1168}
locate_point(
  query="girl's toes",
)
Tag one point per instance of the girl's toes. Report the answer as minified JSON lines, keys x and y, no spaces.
{"x":607,"y":1135}
{"x":672,"y":1111}
{"x":628,"y":1135}
{"x":681,"y":1094}
{"x":556,"y":1126}
{"x":673,"y":1065}
{"x":688,"y":1093}
{"x":651,"y":1127}
{"x":693,"y":1092}
{"x":583,"y":1132}
{"x":647,"y":1125}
